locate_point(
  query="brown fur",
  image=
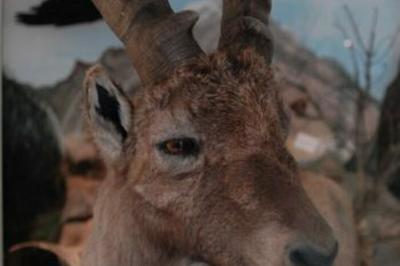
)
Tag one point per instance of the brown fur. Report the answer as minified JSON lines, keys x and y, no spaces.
{"x":331,"y":201}
{"x":240,"y":202}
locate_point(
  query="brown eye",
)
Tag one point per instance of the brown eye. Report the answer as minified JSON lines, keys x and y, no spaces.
{"x":180,"y":147}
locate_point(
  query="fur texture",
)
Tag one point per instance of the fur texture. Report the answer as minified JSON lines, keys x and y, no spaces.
{"x":238,"y":202}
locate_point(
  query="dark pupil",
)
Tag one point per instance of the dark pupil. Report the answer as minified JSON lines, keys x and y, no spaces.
{"x":184,"y":146}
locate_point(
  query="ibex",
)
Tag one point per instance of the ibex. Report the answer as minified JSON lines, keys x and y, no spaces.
{"x":199,"y":172}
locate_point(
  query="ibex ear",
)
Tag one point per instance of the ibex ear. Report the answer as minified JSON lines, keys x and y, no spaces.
{"x":108,"y":110}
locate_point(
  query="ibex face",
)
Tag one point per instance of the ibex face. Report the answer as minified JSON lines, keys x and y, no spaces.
{"x":200,"y":169}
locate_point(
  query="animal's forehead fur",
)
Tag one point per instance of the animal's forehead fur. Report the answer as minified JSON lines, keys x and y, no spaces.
{"x":233,"y":91}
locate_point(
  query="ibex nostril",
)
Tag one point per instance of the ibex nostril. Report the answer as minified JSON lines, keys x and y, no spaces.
{"x":308,"y":255}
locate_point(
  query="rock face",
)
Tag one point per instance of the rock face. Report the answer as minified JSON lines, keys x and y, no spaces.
{"x":65,"y":97}
{"x":34,"y":186}
{"x":321,"y":96}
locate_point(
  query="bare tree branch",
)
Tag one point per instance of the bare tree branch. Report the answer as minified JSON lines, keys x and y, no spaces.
{"x":370,"y":52}
{"x":352,"y":52}
{"x":355,"y":28}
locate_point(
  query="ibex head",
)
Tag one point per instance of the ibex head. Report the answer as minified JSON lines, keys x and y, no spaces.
{"x":200,"y":168}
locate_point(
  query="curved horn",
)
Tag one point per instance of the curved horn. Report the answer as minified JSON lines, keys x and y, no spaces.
{"x":156,"y":39}
{"x":246,"y":23}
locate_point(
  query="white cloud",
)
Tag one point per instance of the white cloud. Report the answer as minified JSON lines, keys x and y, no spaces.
{"x":44,"y":55}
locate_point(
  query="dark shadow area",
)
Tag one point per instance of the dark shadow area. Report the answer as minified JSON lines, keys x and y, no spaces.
{"x":60,"y":13}
{"x":34,"y":188}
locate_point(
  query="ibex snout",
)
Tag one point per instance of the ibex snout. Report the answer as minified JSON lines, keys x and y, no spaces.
{"x":290,"y":228}
{"x":305,"y":254}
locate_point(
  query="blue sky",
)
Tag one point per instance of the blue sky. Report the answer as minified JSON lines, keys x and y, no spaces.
{"x":44,"y":55}
{"x":313,"y":22}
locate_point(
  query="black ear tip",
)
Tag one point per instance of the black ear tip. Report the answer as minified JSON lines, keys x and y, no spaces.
{"x":100,"y":89}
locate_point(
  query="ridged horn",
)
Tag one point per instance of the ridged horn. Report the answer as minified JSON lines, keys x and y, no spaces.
{"x":245,"y":23}
{"x":155,"y":37}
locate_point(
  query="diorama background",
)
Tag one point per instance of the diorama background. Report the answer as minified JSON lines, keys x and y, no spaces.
{"x":43,"y":55}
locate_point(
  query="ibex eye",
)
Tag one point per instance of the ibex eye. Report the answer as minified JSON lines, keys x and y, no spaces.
{"x":180,"y":147}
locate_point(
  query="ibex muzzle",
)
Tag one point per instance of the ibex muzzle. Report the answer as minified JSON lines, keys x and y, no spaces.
{"x":199,"y":168}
